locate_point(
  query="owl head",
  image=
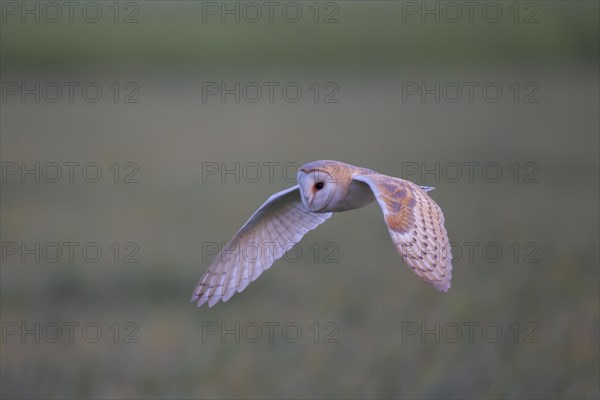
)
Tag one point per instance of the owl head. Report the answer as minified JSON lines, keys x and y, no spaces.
{"x":319,"y":181}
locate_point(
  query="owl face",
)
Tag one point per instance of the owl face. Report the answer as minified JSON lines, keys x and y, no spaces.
{"x":317,"y":188}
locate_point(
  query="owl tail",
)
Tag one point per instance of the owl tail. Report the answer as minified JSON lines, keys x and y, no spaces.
{"x":427,"y":188}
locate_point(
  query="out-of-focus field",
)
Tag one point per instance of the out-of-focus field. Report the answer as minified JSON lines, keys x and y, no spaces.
{"x":347,"y":289}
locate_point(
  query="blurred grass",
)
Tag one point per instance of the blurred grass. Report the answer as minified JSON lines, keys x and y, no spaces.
{"x":369,"y":294}
{"x":373,"y":33}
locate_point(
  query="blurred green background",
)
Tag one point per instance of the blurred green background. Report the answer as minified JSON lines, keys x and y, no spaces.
{"x":547,"y":290}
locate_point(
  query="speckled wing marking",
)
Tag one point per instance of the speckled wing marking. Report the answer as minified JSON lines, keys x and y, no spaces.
{"x":273,"y":229}
{"x":416,"y":225}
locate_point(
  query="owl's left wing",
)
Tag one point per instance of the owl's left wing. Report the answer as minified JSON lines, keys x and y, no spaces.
{"x":272,"y":230}
{"x":416,"y":225}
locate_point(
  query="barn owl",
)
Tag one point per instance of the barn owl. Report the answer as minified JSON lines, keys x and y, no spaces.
{"x":415,"y":223}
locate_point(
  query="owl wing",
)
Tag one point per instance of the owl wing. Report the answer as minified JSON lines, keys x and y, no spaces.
{"x":273,"y":229}
{"x":416,"y":225}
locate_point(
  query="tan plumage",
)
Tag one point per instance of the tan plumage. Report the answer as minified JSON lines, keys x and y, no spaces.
{"x":414,"y":220}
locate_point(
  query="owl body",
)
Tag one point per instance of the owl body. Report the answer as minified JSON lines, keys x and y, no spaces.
{"x":357,"y":195}
{"x":415,"y":223}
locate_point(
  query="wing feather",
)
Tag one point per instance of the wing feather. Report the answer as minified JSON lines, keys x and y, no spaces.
{"x":273,"y":229}
{"x":416,"y":225}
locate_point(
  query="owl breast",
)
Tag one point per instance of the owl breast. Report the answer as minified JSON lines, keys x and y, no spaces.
{"x":350,"y":197}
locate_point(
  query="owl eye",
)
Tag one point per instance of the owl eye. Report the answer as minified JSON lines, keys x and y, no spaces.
{"x":319,"y":185}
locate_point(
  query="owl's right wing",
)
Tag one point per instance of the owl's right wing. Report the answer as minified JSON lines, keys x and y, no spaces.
{"x":416,"y":225}
{"x":273,"y":229}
